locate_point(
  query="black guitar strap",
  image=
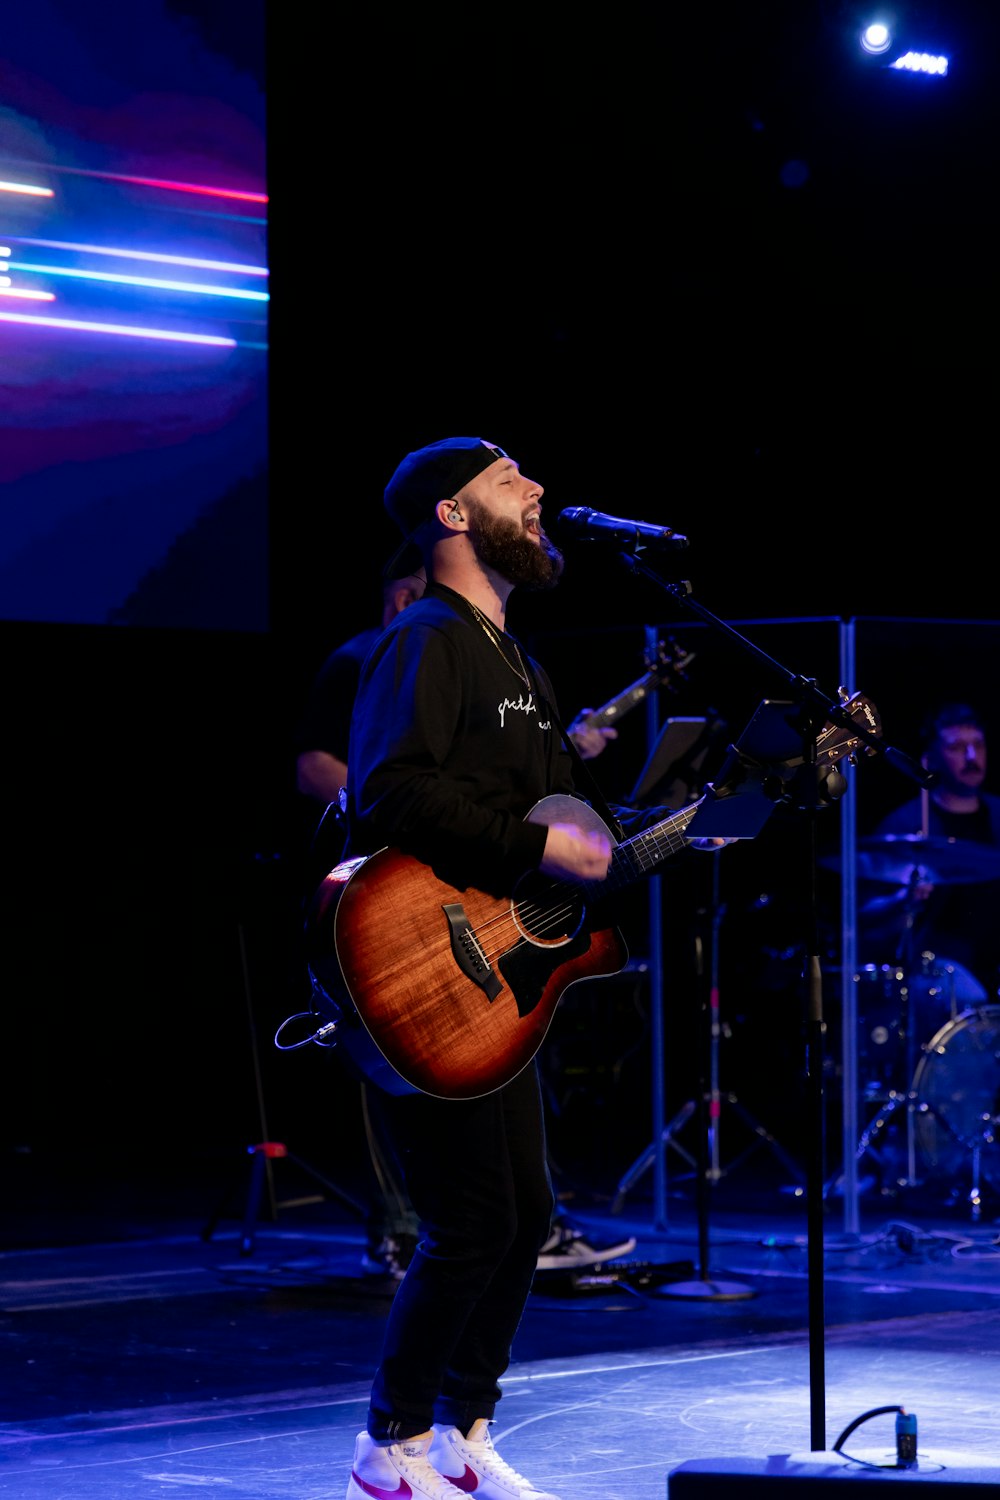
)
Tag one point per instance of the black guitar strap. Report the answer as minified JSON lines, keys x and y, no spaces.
{"x":596,"y":797}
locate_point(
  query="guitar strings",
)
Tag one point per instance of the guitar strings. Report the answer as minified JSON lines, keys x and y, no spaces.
{"x":522,"y":917}
{"x":528,"y":914}
{"x":675,"y":841}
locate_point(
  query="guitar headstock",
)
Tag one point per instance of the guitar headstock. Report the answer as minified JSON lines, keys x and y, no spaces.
{"x":835,"y":741}
{"x":668,"y":664}
{"x":787,"y":777}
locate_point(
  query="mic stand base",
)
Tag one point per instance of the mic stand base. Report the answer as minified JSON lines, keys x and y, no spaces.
{"x":713,"y":1290}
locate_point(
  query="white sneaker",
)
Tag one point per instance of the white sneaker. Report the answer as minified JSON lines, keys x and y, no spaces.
{"x":475,"y":1467}
{"x":387,"y":1471}
{"x":566,"y":1249}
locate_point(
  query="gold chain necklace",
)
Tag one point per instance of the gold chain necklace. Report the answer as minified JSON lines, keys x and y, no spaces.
{"x":496,"y":636}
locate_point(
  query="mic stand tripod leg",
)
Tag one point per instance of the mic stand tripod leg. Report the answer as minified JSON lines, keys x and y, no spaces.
{"x":708,"y":1288}
{"x":764,"y":1138}
{"x":645,"y":1161}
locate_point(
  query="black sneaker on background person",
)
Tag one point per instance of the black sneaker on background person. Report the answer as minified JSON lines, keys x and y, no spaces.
{"x":570,"y":1249}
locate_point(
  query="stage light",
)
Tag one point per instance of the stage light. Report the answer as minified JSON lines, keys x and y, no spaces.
{"x":876,"y":38}
{"x":898,"y":41}
{"x":921,"y":62}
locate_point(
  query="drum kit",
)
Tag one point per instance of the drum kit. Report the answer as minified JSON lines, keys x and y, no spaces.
{"x":929,"y":1038}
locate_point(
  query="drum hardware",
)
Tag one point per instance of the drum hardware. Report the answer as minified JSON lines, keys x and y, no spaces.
{"x":886,"y":1049}
{"x":893,"y":859}
{"x":950,"y":1113}
{"x":867,"y":1144}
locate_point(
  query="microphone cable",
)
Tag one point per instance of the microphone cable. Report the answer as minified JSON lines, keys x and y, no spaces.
{"x":906,"y":1437}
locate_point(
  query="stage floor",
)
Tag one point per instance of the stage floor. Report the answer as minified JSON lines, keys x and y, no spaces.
{"x":140,"y":1358}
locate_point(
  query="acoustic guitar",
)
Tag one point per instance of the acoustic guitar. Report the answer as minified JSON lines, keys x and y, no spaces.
{"x":450,"y":991}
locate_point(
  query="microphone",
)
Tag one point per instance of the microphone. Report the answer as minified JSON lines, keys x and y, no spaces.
{"x":630,"y":536}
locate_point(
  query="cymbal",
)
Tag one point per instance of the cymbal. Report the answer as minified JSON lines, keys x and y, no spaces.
{"x":896,"y":859}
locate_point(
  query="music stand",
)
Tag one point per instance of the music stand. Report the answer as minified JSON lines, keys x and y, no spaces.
{"x":739,"y":809}
{"x":670,"y":778}
{"x":753,"y":776}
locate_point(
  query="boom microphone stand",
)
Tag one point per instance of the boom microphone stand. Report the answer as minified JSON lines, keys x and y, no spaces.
{"x":805,"y":781}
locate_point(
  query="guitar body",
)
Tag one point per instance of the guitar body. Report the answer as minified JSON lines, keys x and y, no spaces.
{"x":432,"y":989}
{"x":444,"y":991}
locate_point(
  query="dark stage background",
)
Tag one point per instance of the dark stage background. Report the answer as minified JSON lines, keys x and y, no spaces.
{"x":738,"y":281}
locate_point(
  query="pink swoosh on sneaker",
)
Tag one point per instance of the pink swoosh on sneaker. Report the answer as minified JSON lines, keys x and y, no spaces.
{"x":401,"y":1492}
{"x":468,"y":1482}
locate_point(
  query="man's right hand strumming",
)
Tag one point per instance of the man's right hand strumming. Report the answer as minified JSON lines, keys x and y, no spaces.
{"x":574,"y":854}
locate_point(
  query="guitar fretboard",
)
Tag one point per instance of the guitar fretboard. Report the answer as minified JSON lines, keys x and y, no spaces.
{"x":644,"y":851}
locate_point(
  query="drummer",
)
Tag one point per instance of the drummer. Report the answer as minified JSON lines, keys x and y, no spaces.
{"x":947,"y":899}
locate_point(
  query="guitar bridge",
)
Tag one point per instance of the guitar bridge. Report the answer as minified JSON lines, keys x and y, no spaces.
{"x":468,"y":954}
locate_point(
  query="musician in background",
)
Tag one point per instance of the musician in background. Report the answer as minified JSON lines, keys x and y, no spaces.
{"x":391,"y":1227}
{"x":321,"y":777}
{"x":590,"y":739}
{"x":321,"y":763}
{"x":937,"y":908}
{"x":454,"y":740}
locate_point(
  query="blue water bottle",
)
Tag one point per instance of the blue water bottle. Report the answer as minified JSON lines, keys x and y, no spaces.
{"x":906,"y":1439}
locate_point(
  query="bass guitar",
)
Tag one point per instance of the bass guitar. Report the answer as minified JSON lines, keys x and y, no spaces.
{"x":450,"y":992}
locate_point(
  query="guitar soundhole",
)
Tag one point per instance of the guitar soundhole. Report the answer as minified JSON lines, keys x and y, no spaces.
{"x":550,"y":917}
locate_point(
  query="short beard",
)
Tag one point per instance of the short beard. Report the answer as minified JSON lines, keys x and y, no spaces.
{"x":503,"y":546}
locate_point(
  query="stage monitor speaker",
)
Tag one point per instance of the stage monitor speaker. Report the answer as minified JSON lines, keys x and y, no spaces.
{"x":817,"y":1476}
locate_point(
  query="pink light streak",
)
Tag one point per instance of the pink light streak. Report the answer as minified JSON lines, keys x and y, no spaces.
{"x":176,"y":187}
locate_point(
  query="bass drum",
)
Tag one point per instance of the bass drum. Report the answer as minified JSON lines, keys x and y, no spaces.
{"x":957,"y":1087}
{"x":941,"y":989}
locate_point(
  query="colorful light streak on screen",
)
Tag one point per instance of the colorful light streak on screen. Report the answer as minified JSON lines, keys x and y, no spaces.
{"x":133,"y":393}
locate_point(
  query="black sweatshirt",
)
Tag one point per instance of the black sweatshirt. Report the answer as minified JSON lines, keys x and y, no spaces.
{"x":451,"y":748}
